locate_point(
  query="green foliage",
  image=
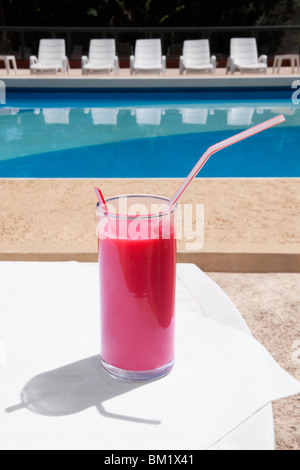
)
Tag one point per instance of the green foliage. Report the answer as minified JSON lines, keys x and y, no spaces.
{"x":147,"y":12}
{"x":178,"y":13}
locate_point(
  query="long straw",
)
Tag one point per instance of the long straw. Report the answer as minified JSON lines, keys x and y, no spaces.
{"x":221,"y":145}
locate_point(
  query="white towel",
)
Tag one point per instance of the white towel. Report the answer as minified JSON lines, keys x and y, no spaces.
{"x":55,"y":395}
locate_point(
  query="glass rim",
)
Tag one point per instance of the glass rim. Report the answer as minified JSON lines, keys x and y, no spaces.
{"x":99,"y":207}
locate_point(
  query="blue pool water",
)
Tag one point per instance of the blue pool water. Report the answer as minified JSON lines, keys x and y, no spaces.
{"x":145,"y":134}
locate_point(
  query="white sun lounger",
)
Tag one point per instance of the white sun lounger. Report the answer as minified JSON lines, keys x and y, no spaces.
{"x":148,"y":57}
{"x":102,"y":57}
{"x":51,"y":57}
{"x":196,"y":57}
{"x":244,"y":57}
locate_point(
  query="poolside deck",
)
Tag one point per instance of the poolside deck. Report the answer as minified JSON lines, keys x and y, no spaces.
{"x":251,"y":225}
{"x":172,"y":79}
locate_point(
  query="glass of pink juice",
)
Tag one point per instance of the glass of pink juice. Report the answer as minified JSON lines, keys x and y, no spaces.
{"x":137,"y":264}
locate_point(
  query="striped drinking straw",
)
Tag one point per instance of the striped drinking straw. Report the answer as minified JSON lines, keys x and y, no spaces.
{"x":221,"y":145}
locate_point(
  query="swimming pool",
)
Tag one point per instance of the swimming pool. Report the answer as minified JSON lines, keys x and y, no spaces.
{"x":82,"y":134}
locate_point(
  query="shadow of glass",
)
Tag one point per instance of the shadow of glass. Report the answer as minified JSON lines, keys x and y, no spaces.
{"x":74,"y":388}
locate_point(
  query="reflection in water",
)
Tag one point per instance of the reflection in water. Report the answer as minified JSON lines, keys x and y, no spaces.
{"x":148,"y":116}
{"x":13,"y":134}
{"x":194,"y":115}
{"x":95,"y":141}
{"x":240,"y":116}
{"x":217,"y":117}
{"x":12,"y":131}
{"x":8,"y":111}
{"x":54,"y":115}
{"x":105,"y":116}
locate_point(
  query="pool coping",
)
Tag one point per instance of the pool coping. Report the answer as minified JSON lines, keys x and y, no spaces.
{"x":173,"y":82}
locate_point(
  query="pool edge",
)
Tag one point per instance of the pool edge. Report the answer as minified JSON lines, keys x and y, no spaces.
{"x":119,"y":83}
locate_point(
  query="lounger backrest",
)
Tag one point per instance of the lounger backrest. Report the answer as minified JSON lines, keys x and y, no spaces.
{"x":196,"y":52}
{"x":244,"y":50}
{"x":51,"y":51}
{"x":102,"y":51}
{"x":148,"y":52}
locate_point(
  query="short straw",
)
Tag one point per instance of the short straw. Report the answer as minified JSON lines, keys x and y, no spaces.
{"x":101,"y":198}
{"x":221,"y":145}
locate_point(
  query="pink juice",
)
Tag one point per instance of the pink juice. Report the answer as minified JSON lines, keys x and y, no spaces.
{"x":137,"y":285}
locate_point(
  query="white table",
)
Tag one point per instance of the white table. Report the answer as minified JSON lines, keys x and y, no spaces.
{"x":9,"y":59}
{"x":55,"y":395}
{"x":294,"y":60}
